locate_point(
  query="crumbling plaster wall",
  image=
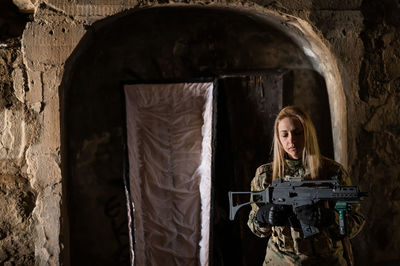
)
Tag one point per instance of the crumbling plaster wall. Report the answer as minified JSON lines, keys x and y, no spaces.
{"x":363,"y":35}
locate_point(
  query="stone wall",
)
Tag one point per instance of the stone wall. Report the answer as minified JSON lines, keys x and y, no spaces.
{"x":362,"y":35}
{"x":376,"y":135}
{"x":18,"y":127}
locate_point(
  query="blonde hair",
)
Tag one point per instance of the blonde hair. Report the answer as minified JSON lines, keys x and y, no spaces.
{"x":311,"y":156}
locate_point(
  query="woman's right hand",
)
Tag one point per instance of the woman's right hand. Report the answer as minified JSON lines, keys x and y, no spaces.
{"x":273,"y":214}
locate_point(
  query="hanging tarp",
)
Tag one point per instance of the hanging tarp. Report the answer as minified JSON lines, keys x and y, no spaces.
{"x":169,"y":147}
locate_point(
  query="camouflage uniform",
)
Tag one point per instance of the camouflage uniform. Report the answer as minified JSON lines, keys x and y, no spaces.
{"x":286,"y":245}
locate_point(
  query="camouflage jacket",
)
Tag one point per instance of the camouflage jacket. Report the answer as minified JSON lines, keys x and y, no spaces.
{"x":288,"y":242}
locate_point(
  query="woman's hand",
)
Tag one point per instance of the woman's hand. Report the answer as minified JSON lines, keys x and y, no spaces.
{"x":315,"y":216}
{"x":273,"y":214}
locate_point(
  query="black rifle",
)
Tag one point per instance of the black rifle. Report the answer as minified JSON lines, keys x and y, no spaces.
{"x":300,"y":193}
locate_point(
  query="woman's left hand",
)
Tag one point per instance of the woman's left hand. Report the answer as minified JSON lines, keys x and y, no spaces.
{"x":314,"y":215}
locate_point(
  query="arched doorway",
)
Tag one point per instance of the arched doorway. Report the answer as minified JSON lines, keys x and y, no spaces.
{"x":244,"y":51}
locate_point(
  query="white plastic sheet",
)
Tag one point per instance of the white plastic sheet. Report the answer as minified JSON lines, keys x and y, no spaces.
{"x":169,"y":145}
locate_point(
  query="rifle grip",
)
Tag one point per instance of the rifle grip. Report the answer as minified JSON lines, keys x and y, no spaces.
{"x":342,"y":207}
{"x":308,"y":230}
{"x":342,"y":223}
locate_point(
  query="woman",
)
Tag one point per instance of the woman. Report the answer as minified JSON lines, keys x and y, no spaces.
{"x":297,"y":157}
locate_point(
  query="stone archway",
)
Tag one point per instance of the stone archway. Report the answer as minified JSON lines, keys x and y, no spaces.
{"x":91,"y":146}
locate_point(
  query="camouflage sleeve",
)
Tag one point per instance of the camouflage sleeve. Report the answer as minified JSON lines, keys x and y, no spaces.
{"x":258,"y":183}
{"x":355,"y":220}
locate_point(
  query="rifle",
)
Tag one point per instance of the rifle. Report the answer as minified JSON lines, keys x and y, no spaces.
{"x":300,"y":193}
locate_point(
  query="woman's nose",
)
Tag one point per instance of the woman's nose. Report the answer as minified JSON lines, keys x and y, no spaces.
{"x":290,"y":138}
{"x":293,"y":139}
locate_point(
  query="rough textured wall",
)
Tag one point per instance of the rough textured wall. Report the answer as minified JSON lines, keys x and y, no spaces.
{"x":377,"y":134}
{"x":17,"y":133}
{"x":364,"y":36}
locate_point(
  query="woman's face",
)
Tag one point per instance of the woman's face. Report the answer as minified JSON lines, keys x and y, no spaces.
{"x":291,"y":136}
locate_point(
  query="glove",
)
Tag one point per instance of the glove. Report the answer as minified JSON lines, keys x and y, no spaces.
{"x":273,"y":214}
{"x":314,"y":216}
